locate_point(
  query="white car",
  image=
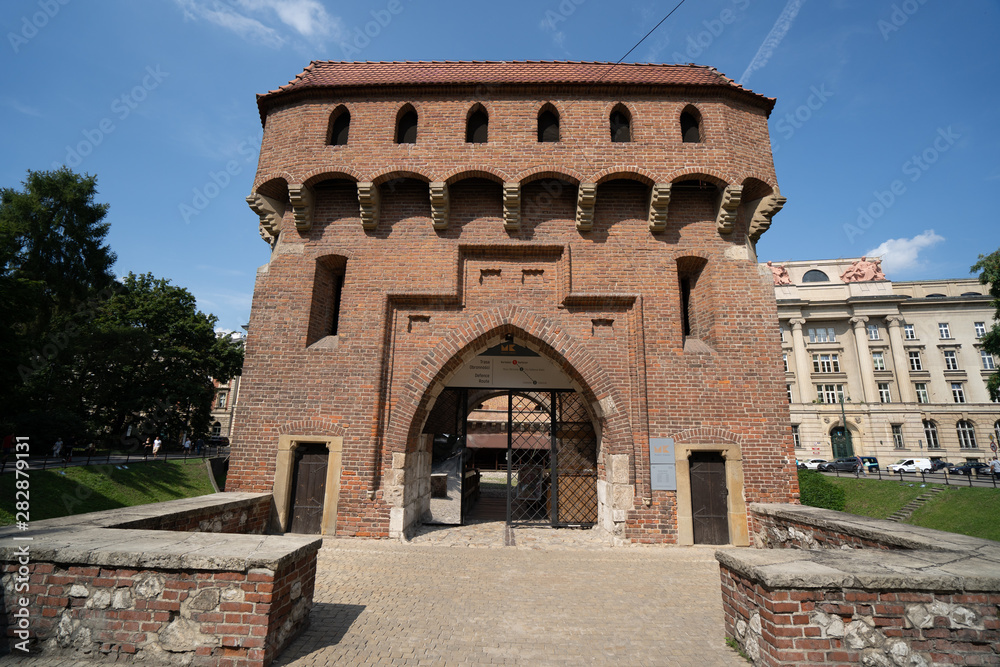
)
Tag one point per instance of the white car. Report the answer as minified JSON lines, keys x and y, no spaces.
{"x":812,"y":464}
{"x":910,"y":465}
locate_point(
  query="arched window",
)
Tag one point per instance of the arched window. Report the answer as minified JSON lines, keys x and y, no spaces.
{"x":216,"y":429}
{"x":340,"y":126}
{"x":548,"y":124}
{"x":406,"y":125}
{"x":621,"y":125}
{"x":477,"y":126}
{"x":966,"y":434}
{"x":931,"y":435}
{"x":971,"y":294}
{"x":936,"y":296}
{"x":690,"y":125}
{"x":815,"y":276}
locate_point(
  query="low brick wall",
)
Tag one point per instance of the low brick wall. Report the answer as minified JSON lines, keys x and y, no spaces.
{"x":97,"y":591}
{"x":838,"y":589}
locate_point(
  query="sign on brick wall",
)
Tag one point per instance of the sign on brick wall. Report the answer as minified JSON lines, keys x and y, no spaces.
{"x":662,"y":466}
{"x":510,"y":366}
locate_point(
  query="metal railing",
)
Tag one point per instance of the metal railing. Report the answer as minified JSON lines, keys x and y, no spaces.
{"x":937,"y":477}
{"x":88,"y":457}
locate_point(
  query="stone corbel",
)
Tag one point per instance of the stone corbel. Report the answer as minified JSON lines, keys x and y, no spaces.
{"x":586,"y":196}
{"x":765,"y":209}
{"x":439,"y":204}
{"x":729,"y":202}
{"x":369,"y":204}
{"x":301,"y":198}
{"x":270,"y":211}
{"x":512,"y":206}
{"x":659,"y":201}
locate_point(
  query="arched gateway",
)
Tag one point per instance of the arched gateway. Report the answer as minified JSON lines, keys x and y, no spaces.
{"x":406,"y":278}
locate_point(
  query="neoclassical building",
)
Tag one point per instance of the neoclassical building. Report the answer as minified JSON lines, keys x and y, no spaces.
{"x":551,"y":259}
{"x":905,"y":357}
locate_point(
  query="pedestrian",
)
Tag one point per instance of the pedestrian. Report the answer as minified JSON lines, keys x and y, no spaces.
{"x":147,"y":447}
{"x":57,"y":448}
{"x":156,"y":446}
{"x":199,"y":445}
{"x":860,"y":465}
{"x":187,"y":446}
{"x":995,"y":467}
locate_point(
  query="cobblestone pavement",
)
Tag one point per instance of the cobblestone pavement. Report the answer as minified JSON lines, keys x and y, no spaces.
{"x":559,"y":597}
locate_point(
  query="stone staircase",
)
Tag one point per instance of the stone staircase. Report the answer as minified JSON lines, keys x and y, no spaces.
{"x":907,"y":510}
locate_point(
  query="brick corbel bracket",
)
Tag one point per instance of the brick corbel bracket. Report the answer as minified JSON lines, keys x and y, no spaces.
{"x":439,"y":204}
{"x":729,"y":202}
{"x":763,"y":210}
{"x":368,"y":202}
{"x":586,"y":196}
{"x":270,"y":211}
{"x":512,"y":206}
{"x":659,"y":201}
{"x":301,"y":198}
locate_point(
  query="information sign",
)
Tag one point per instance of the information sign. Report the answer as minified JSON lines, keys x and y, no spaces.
{"x":662,"y":465}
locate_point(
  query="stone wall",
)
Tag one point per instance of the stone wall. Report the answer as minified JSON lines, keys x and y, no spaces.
{"x":845,"y":590}
{"x":93,"y":587}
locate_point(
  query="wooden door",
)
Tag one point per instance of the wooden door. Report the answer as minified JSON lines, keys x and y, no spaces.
{"x":308,"y":488}
{"x":709,"y":498}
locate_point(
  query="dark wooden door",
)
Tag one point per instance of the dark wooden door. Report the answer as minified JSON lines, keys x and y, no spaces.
{"x":308,"y":488}
{"x":709,"y":506}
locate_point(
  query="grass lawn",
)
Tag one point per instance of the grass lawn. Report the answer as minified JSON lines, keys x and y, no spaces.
{"x":875,"y":498}
{"x":97,"y":487}
{"x":969,"y":511}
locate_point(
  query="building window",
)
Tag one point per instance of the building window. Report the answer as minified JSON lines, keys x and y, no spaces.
{"x":958,"y":392}
{"x":784,"y":359}
{"x":406,"y":125}
{"x":696,"y":313}
{"x":944,"y":330}
{"x":873,"y":332}
{"x":340,"y":127}
{"x":897,"y":436}
{"x":950,"y":360}
{"x":883,"y":393}
{"x":966,"y":434}
{"x":830,"y":393}
{"x":822,"y":335}
{"x":922,"y":395}
{"x":328,"y":285}
{"x":826,"y":363}
{"x":815,"y":276}
{"x":915,"y":363}
{"x":216,"y":429}
{"x":548,"y":124}
{"x":996,"y":431}
{"x":477,"y":125}
{"x":980,"y":329}
{"x":621,"y":125}
{"x":931,"y":434}
{"x":795,"y":436}
{"x":788,"y":390}
{"x":221,"y":399}
{"x":988,"y":364}
{"x":878,"y":361}
{"x":908,"y":332}
{"x":781,"y":333}
{"x":690,"y":125}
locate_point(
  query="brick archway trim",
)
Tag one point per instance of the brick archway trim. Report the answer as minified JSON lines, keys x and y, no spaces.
{"x":621,"y":171}
{"x":720,"y":179}
{"x":427,"y":379}
{"x":388,"y":174}
{"x":707,"y":434}
{"x":323,"y":173}
{"x":273,"y":176}
{"x":312,"y":426}
{"x":469,"y":171}
{"x":541,"y":173}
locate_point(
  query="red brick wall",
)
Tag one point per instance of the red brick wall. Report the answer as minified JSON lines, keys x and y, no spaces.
{"x":247,"y":517}
{"x":467,"y":284}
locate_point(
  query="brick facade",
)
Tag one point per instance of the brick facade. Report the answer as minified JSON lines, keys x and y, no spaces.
{"x":445,"y":247}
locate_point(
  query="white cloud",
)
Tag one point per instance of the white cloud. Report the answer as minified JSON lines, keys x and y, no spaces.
{"x":773,"y":39}
{"x":902,"y":255}
{"x":22,"y":108}
{"x":263,"y":21}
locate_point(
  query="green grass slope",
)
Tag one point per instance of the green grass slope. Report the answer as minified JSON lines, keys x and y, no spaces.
{"x":61,"y":492}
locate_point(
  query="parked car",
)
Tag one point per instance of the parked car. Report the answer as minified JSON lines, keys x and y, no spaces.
{"x":910,"y":465}
{"x":941,"y":466}
{"x":812,"y":464}
{"x":969,"y":466}
{"x":871,"y":463}
{"x":218,"y":441}
{"x":845,"y":464}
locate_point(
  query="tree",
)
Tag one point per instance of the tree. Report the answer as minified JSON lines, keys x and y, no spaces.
{"x":988,"y":268}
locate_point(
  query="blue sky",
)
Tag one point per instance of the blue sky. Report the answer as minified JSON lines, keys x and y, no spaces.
{"x":886,"y":130}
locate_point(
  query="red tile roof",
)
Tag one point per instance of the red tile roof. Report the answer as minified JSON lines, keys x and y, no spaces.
{"x":334,"y":74}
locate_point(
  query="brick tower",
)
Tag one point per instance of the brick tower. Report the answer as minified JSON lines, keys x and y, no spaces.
{"x":570,"y":243}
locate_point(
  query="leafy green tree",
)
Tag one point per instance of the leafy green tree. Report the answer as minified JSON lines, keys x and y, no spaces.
{"x":988,"y":268}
